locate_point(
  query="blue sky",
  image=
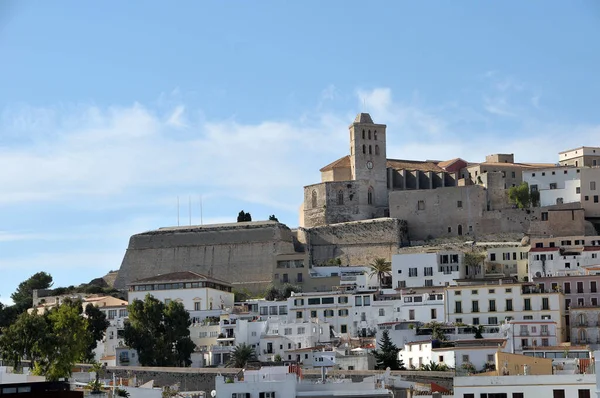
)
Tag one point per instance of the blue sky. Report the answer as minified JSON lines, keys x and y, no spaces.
{"x":111,"y":110}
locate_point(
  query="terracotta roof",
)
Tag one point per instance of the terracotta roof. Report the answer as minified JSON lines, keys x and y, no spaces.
{"x":179,"y":277}
{"x":544,"y":249}
{"x":400,"y":164}
{"x":341,"y":162}
{"x":447,"y":163}
{"x":591,"y":248}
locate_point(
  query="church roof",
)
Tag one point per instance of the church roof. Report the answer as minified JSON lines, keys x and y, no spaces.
{"x":341,"y":162}
{"x":400,"y":164}
{"x":363,"y":118}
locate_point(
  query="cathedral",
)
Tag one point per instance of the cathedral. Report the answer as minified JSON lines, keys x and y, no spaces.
{"x":356,"y":186}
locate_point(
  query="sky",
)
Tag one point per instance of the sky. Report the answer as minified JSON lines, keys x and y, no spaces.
{"x":110,"y":111}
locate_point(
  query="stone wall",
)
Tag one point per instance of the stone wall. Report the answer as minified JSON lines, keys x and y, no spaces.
{"x":240,"y":253}
{"x":457,"y":211}
{"x":354,"y":243}
{"x":559,"y":222}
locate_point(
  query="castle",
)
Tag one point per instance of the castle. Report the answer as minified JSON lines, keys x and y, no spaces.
{"x":368,"y":206}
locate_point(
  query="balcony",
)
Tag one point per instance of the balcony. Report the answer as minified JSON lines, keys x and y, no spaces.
{"x":523,"y":332}
{"x":545,"y":333}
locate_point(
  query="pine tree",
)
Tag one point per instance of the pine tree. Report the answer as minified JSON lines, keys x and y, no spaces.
{"x":387,"y":354}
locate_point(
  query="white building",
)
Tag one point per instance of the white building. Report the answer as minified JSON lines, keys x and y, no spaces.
{"x":467,"y":353}
{"x":284,"y":382}
{"x":421,"y":305}
{"x":555,"y":261}
{"x":427,"y":269}
{"x":492,"y":304}
{"x":523,"y":335}
{"x":350,"y":313}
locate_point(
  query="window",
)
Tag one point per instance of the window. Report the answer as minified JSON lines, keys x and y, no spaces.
{"x":298,"y":314}
{"x":567,"y":287}
{"x":328,"y":313}
{"x":586,"y":198}
{"x":376,"y":149}
{"x":314,"y":301}
{"x":475,"y":306}
{"x":583,"y":393}
{"x":358,"y":301}
{"x":421,"y":205}
{"x":343,"y":312}
{"x":375,"y":135}
{"x":457,"y":292}
{"x":592,"y":185}
{"x":340,"y":198}
{"x":363,"y":134}
{"x":545,"y":304}
{"x":492,"y":305}
{"x":381,"y":312}
{"x":595,"y":198}
{"x":492,"y":320}
{"x":343,"y":300}
{"x":411,"y":315}
{"x":197,"y":305}
{"x":327,"y":300}
{"x":476,"y":321}
{"x":474,"y":291}
{"x":558,"y":393}
{"x":544,"y":216}
{"x":459,"y":203}
{"x":509,"y":305}
{"x":413,"y":272}
{"x":370,"y":196}
{"x":428,"y":271}
{"x":301,"y":330}
{"x":313,"y":314}
{"x":579,"y":287}
{"x":552,"y":185}
{"x":508,"y":290}
{"x":314,"y":199}
{"x":458,"y":307}
{"x":527,"y":304}
{"x":370,"y":150}
{"x":112,"y":314}
{"x":465,"y":358}
{"x":343,"y":328}
{"x":577,"y":189}
{"x":428,"y":282}
{"x":364,"y":149}
{"x":492,"y":256}
{"x":366,"y":300}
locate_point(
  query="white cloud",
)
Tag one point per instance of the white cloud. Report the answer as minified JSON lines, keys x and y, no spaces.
{"x":177,"y":117}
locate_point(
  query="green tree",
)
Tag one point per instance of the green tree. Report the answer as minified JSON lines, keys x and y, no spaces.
{"x":519,"y":195}
{"x":434,"y":367}
{"x":244,"y":217}
{"x":23,"y":296}
{"x":21,"y":340}
{"x":478,"y":330}
{"x":97,"y":324}
{"x":273,"y":218}
{"x":387,"y":354}
{"x":381,"y":268}
{"x":437,"y":332}
{"x":535,"y":198}
{"x":159,"y":333}
{"x":241,"y":355}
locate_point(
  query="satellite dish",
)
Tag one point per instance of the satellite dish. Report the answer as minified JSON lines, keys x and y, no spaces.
{"x":213,"y":393}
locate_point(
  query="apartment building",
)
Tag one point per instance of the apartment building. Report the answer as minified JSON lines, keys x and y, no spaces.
{"x":584,"y":156}
{"x":562,"y":185}
{"x":494,"y":303}
{"x":421,"y":305}
{"x":523,"y":335}
{"x":507,"y":261}
{"x":436,"y":269}
{"x":555,"y":261}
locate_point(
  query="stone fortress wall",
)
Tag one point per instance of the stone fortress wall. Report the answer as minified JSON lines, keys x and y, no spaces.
{"x":239,"y":253}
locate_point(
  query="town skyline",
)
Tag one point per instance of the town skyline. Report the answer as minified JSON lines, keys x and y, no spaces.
{"x":93,"y":161}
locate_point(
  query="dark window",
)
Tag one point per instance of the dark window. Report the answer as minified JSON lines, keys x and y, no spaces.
{"x":558,"y":394}
{"x":370,"y":150}
{"x":527,"y":304}
{"x":509,"y":305}
{"x":518,"y":395}
{"x":364,"y":149}
{"x":583,"y":393}
{"x":595,"y":198}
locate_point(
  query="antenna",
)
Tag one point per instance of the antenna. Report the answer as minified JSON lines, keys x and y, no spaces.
{"x":201,"y":223}
{"x":177,"y":210}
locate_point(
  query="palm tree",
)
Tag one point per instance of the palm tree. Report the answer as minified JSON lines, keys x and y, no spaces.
{"x":434,"y":367}
{"x":241,"y":354}
{"x":381,"y":268}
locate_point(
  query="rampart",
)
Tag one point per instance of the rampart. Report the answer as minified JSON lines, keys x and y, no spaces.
{"x":354,"y":243}
{"x":240,"y":253}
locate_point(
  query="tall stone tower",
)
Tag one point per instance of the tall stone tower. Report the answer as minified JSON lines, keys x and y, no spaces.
{"x":368,"y":161}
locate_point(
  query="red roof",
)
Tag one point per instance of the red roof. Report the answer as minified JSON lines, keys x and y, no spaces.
{"x":544,"y":249}
{"x":591,"y":248}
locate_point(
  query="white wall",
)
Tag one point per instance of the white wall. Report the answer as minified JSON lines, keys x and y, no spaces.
{"x":439,"y":274}
{"x":421,"y":306}
{"x":209,"y":298}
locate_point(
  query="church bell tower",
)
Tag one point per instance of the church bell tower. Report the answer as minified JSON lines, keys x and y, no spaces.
{"x":368,"y":160}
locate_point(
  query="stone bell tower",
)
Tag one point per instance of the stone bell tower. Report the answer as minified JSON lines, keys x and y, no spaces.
{"x":368,"y":160}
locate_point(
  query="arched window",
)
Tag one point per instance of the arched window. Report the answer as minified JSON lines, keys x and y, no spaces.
{"x":340,"y":197}
{"x":314,"y":199}
{"x":364,"y":149}
{"x":459,"y":229}
{"x":363,"y":134}
{"x":370,"y":196}
{"x":370,"y":150}
{"x":369,"y":134}
{"x":582,"y":335}
{"x":375,"y":135}
{"x":376,"y":149}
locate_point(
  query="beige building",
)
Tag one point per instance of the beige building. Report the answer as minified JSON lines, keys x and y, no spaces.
{"x":584,"y":156}
{"x":512,"y":173}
